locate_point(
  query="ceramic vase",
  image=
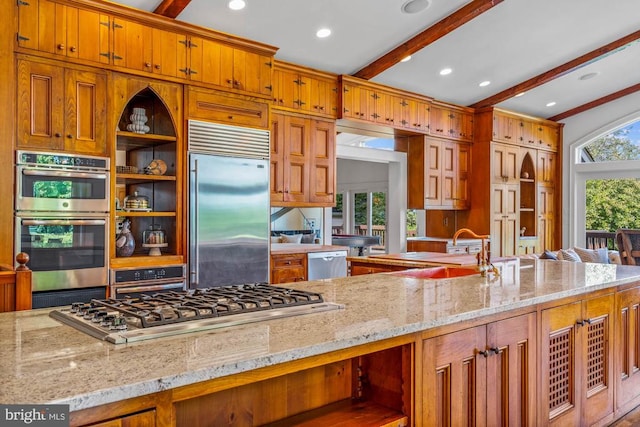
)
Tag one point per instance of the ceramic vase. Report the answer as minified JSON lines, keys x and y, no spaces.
{"x":125,"y":243}
{"x":138,"y":120}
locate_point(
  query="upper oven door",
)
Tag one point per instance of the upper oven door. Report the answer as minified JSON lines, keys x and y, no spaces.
{"x":61,"y":190}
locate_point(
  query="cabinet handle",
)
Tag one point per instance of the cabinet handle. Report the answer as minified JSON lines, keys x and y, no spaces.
{"x":230,"y":117}
{"x":61,"y":46}
{"x":157,"y":66}
{"x":485,"y":353}
{"x":57,"y":135}
{"x":69,"y":136}
{"x":582,"y":322}
{"x":147,"y":64}
{"x":496,"y":350}
{"x":72,"y":49}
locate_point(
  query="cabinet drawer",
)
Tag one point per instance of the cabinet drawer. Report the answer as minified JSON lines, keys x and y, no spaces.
{"x":288,"y":261}
{"x":456,"y":249}
{"x":218,"y":107}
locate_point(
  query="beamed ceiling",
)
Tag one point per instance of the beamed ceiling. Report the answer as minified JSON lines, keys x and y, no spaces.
{"x":579,"y":54}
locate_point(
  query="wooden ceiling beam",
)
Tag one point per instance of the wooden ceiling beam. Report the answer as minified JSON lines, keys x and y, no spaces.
{"x":171,"y":8}
{"x":425,"y":38}
{"x":596,"y":103}
{"x":581,"y":61}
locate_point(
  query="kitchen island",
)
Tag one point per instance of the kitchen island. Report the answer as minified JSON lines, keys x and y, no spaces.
{"x":382,"y":356}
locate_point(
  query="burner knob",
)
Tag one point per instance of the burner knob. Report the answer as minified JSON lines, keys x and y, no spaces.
{"x":98,"y":316}
{"x":88,"y":314}
{"x":107,"y":320}
{"x":76,"y":306}
{"x":119,"y":323}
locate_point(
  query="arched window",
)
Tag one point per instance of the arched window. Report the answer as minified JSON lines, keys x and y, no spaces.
{"x":607,"y":183}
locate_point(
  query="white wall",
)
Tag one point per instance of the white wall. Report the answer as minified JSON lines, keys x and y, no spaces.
{"x":578,"y":130}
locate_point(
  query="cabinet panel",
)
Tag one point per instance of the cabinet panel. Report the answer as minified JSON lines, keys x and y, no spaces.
{"x":505,"y":163}
{"x":169,"y":53}
{"x":546,"y":168}
{"x":86,"y":95}
{"x":627,"y":347}
{"x":217,"y":106}
{"x":288,"y":268}
{"x":132,"y":45}
{"x":61,"y":109}
{"x":546,"y":218}
{"x":481,"y":376}
{"x":454,"y":379}
{"x":577,"y":363}
{"x":40,"y":118}
{"x":323,"y":162}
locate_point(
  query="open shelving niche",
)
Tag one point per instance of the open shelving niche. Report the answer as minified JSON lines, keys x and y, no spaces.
{"x":137,"y":150}
{"x":528,"y":216}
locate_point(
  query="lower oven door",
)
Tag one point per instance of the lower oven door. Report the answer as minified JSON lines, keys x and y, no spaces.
{"x":134,"y":289}
{"x":66,"y":252}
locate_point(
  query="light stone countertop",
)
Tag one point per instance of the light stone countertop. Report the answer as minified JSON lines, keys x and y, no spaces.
{"x":44,"y":361}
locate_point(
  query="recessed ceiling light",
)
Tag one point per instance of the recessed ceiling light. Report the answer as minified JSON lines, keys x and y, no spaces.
{"x":406,"y":58}
{"x":551,"y":104}
{"x":237,"y":4}
{"x":415,"y":6}
{"x":484,"y":83}
{"x":520,"y":94}
{"x":323,"y":32}
{"x":445,"y":71}
{"x":587,"y":76}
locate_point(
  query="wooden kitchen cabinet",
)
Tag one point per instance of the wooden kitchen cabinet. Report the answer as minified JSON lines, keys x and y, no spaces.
{"x":61,"y":108}
{"x":142,"y":419}
{"x":304,"y":90}
{"x":384,"y":107}
{"x":627,"y":350}
{"x":229,"y":67}
{"x":287,"y":268}
{"x":484,"y":375}
{"x":220,"y":107}
{"x":438,"y":172}
{"x":577,"y":363}
{"x":506,"y":153}
{"x":449,"y":121}
{"x":302,"y":161}
{"x":505,"y":226}
{"x":64,"y":31}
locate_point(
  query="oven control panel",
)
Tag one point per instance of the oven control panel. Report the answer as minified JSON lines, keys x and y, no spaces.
{"x":145,"y":274}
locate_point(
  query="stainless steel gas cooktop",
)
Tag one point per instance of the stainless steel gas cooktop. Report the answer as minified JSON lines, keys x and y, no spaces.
{"x":176,"y":312}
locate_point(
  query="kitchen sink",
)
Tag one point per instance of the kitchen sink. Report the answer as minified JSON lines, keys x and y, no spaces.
{"x":438,"y":272}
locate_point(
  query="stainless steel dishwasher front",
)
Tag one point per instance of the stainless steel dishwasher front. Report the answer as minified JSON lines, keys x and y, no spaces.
{"x":326,"y":265}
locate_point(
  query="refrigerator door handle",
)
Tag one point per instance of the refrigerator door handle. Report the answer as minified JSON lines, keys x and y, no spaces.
{"x":195,"y":227}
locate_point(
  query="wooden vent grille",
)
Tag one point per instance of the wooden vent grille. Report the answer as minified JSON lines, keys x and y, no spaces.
{"x":560,"y":369}
{"x":596,"y":355}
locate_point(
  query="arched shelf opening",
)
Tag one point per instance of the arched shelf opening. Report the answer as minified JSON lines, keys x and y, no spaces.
{"x":146,"y":179}
{"x":528,"y":207}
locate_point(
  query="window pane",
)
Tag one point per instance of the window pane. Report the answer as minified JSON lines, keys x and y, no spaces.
{"x":622,"y":144}
{"x":612,"y":204}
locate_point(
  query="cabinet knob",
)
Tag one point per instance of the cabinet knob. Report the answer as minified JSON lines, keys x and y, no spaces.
{"x":72,"y":49}
{"x":61,"y":46}
{"x":157,"y":67}
{"x":230,"y":117}
{"x":485,"y":353}
{"x":69,"y":136}
{"x":57,"y":135}
{"x":147,"y":64}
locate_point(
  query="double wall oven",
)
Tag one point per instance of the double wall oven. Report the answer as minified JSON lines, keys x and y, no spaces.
{"x":62,"y":222}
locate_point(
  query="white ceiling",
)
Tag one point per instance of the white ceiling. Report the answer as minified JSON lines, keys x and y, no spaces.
{"x":507,"y":45}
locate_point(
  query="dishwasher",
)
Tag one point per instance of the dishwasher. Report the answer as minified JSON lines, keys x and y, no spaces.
{"x":326,"y":265}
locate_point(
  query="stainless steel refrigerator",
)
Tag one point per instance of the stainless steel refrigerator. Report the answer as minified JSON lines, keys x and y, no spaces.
{"x":229,"y":205}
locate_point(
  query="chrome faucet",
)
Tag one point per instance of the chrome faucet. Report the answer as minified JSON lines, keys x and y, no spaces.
{"x":484,"y":263}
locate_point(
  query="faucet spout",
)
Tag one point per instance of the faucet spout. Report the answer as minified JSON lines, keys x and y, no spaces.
{"x":484,"y":263}
{"x":469,"y":232}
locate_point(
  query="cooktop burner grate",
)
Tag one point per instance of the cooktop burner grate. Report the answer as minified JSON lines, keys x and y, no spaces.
{"x":182,"y":306}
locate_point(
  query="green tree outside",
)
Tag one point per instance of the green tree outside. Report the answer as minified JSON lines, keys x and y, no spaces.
{"x":612,"y":203}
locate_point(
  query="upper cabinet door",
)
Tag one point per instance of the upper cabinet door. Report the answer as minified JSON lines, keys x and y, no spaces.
{"x":85,"y":127}
{"x":132,"y":45}
{"x":40,"y":101}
